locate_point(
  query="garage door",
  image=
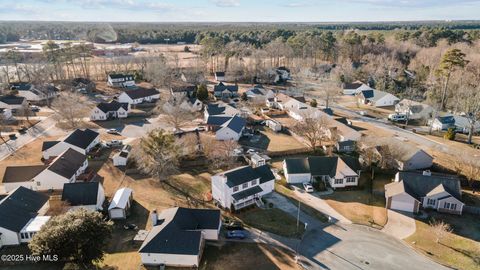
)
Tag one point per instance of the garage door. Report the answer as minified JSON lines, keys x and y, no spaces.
{"x":402,"y":206}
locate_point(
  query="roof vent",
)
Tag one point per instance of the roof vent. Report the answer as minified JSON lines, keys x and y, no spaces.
{"x":427,"y":173}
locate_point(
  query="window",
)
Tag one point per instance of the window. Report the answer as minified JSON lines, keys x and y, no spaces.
{"x":431,"y":201}
{"x":446,"y":205}
{"x":38,"y":183}
{"x":24,"y":235}
{"x":235,"y":189}
{"x":453,"y":206}
{"x":351,"y":179}
{"x":245,"y":185}
{"x":254,"y":182}
{"x":338,"y":181}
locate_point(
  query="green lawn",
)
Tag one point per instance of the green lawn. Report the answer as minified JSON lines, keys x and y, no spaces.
{"x":459,"y":249}
{"x":272,"y":220}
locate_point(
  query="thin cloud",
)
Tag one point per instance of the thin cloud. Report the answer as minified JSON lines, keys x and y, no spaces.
{"x":226,"y":3}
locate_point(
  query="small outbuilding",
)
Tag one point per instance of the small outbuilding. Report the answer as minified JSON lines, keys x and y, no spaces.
{"x":121,"y":158}
{"x":119,"y":208}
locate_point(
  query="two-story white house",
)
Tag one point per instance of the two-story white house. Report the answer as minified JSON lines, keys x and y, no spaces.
{"x":139,"y":95}
{"x":22,"y":214}
{"x":243,"y":186}
{"x":121,"y":80}
{"x":334,"y":171}
{"x":109,"y":110}
{"x":80,"y":140}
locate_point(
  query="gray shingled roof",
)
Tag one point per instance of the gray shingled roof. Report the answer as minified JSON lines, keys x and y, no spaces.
{"x":82,"y":138}
{"x":141,"y":92}
{"x":19,"y":207}
{"x":418,"y":185}
{"x":247,"y":192}
{"x":81,"y":193}
{"x":68,"y":163}
{"x":180,"y":234}
{"x":112,"y":106}
{"x":236,"y":124}
{"x":12,"y":100}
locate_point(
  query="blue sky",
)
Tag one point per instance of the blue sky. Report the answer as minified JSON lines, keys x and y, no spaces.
{"x":239,"y":10}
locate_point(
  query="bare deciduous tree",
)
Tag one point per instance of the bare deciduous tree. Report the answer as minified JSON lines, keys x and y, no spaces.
{"x":71,"y":108}
{"x":314,"y":130}
{"x":440,"y":229}
{"x":219,"y":153}
{"x":175,"y":115}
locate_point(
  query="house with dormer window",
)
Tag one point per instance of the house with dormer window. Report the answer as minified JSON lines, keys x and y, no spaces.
{"x":242,"y":187}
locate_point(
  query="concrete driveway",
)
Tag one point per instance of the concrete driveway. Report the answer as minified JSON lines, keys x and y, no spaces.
{"x":320,"y":205}
{"x":349,"y":246}
{"x":400,"y":224}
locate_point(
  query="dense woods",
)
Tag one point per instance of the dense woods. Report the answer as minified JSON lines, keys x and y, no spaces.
{"x":258,"y":34}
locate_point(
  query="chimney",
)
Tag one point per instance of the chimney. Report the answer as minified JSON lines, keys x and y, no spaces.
{"x":154,"y":217}
{"x":427,"y":173}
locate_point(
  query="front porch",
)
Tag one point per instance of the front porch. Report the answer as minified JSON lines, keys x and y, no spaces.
{"x":246,"y":197}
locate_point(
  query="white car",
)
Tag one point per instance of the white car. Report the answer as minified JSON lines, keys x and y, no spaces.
{"x":113,"y":131}
{"x":114,"y":143}
{"x":395,"y":117}
{"x":308,"y":187}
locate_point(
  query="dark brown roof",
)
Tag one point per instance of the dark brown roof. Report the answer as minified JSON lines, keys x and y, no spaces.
{"x":16,"y":174}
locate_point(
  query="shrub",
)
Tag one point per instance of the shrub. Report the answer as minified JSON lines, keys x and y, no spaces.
{"x":450,"y":135}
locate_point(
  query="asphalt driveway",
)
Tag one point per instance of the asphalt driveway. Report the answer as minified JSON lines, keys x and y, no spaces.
{"x":350,"y":246}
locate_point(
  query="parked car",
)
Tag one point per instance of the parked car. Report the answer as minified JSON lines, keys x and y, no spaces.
{"x":22,"y":130}
{"x":251,"y":151}
{"x":236,"y":235}
{"x":114,"y":143}
{"x":12,"y":136}
{"x":113,"y":131}
{"x":237,"y":152}
{"x":201,"y":128}
{"x":234,"y":226}
{"x":34,"y":108}
{"x":308,"y":187}
{"x":396,"y":117}
{"x":130,"y":226}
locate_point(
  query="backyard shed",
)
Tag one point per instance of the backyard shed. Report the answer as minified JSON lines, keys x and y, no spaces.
{"x":121,"y":203}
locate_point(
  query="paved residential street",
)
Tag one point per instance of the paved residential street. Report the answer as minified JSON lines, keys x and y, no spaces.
{"x":349,"y":246}
{"x":44,"y":128}
{"x":399,"y":225}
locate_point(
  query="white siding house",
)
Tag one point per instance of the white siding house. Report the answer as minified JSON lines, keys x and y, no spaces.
{"x":242,"y":187}
{"x":81,"y":141}
{"x":121,"y":80}
{"x":139,"y":95}
{"x":21,"y":213}
{"x":412,"y":190}
{"x":87,"y":195}
{"x":111,"y":110}
{"x":332,"y":170}
{"x":377,"y":98}
{"x":179,"y":239}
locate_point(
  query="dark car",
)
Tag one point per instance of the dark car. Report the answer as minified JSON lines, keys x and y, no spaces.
{"x":130,"y":227}
{"x":12,"y":136}
{"x":236,"y":235}
{"x":22,"y":130}
{"x":234,"y":226}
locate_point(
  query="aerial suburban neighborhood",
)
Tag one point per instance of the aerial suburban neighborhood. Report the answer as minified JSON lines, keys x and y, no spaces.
{"x":132,"y":137}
